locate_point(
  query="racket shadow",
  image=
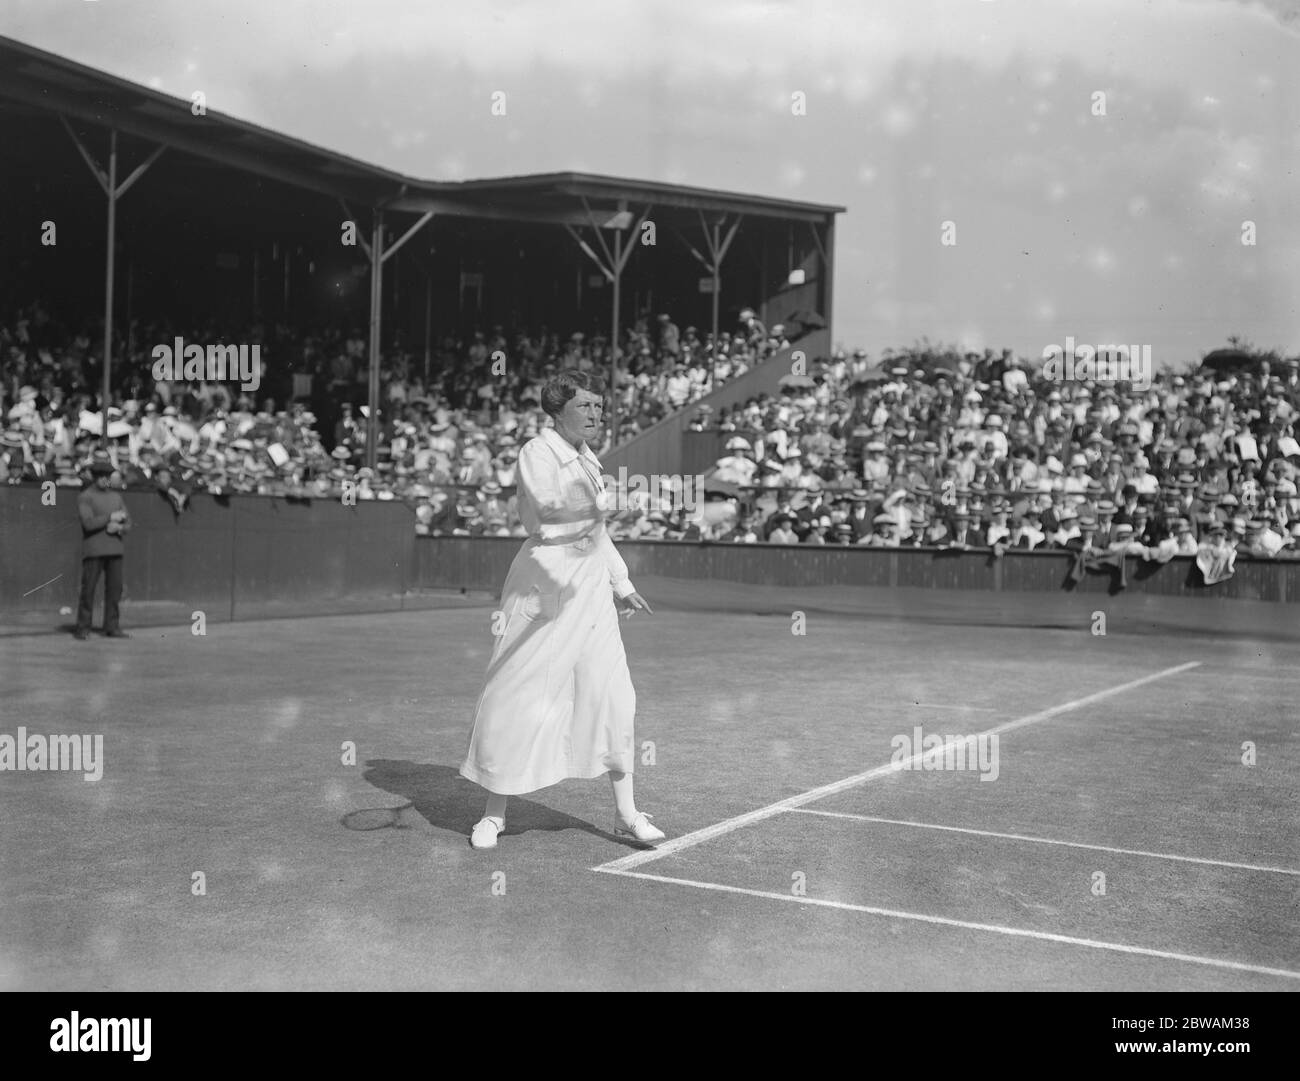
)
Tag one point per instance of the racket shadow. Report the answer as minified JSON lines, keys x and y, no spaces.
{"x":444,"y":799}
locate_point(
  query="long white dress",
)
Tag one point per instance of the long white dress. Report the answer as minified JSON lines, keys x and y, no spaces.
{"x":558,"y":701}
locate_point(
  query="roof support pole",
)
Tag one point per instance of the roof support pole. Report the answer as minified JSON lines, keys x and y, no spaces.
{"x":376,"y":306}
{"x":108,"y":182}
{"x":365,"y":244}
{"x":577,"y":238}
{"x":425,"y":218}
{"x":108,"y":286}
{"x":717,"y":287}
{"x":613,"y":271}
{"x":621,"y":257}
{"x":613,"y":338}
{"x":428,"y":325}
{"x":717,"y":246}
{"x":612,"y":267}
{"x":595,"y":228}
{"x":378,"y":256}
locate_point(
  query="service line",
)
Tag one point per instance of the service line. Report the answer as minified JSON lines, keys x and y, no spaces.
{"x":690,"y":840}
{"x":1263,"y":868}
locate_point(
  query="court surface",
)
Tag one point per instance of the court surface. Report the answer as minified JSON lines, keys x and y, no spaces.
{"x":1123,"y":844}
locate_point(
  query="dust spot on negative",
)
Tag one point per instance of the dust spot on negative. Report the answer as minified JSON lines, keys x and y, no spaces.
{"x":270,"y":871}
{"x":282,"y":718}
{"x":335,"y":792}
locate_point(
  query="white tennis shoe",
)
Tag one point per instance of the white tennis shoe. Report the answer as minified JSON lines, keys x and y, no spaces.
{"x":486,"y":831}
{"x":639,"y":828}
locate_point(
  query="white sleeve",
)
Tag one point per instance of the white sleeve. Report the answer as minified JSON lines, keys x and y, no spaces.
{"x":618,"y":576}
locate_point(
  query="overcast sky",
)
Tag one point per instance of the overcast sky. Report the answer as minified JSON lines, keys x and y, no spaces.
{"x":1118,"y":228}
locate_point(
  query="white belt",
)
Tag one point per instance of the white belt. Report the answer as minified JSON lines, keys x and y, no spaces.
{"x":582,"y":544}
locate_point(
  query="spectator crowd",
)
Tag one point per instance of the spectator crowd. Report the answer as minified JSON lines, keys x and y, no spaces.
{"x":924,"y":449}
{"x":983,"y":452}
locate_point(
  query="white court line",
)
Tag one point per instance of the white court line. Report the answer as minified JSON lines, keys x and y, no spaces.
{"x":689,"y":840}
{"x":944,"y":921}
{"x":940,"y":705}
{"x":1050,"y":841}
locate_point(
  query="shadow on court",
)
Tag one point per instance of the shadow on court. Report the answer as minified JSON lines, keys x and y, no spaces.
{"x":444,"y":799}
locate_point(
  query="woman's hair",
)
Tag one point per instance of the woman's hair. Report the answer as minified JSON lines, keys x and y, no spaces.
{"x":563,"y":385}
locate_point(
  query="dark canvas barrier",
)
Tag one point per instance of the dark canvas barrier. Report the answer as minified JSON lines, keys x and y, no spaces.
{"x":308,"y":551}
{"x":481,"y":563}
{"x":230,"y":556}
{"x":215,"y":556}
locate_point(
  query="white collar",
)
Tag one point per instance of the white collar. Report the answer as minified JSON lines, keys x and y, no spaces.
{"x":565,"y":451}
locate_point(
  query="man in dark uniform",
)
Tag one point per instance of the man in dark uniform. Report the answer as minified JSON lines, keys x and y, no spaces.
{"x":104,"y":521}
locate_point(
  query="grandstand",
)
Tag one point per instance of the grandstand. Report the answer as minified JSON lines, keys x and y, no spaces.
{"x":229,"y":226}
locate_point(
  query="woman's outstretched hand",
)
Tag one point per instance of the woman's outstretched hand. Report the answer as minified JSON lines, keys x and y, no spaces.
{"x":632,"y":603}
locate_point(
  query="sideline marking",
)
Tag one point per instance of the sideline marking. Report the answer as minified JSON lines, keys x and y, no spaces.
{"x":689,"y":840}
{"x":944,"y":921}
{"x":1050,"y":841}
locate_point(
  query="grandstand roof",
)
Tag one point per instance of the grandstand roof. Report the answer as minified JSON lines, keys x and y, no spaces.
{"x":33,"y":81}
{"x":594,"y":186}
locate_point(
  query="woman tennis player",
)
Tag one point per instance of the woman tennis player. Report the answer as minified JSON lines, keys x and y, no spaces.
{"x":559,"y":700}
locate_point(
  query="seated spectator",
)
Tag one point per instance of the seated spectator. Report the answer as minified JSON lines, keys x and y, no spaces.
{"x":782,"y":531}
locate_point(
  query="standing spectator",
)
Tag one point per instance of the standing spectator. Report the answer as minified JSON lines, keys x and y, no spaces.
{"x":752,"y":328}
{"x":669,"y":337}
{"x":104,"y":521}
